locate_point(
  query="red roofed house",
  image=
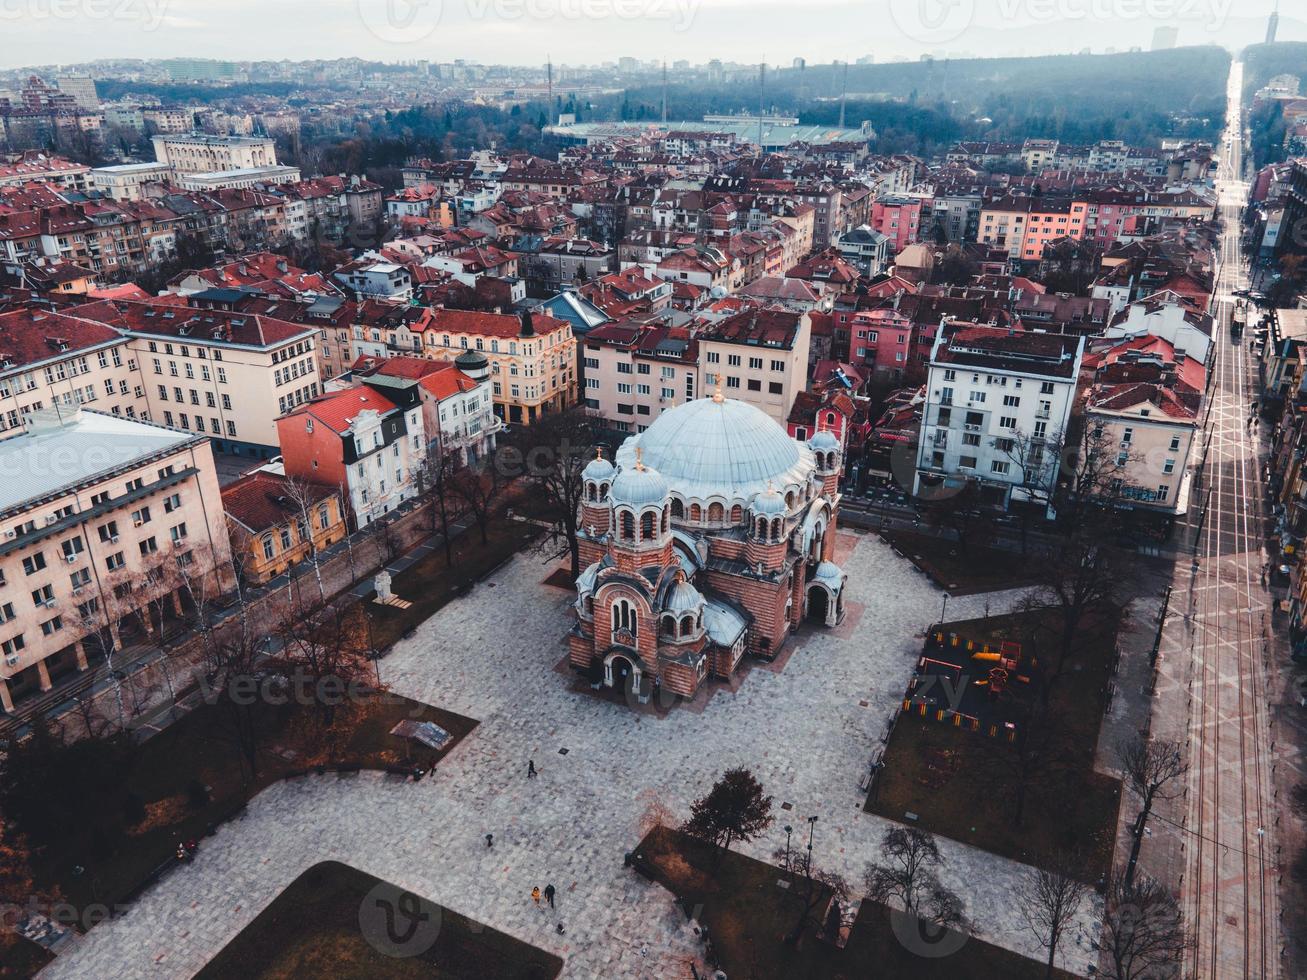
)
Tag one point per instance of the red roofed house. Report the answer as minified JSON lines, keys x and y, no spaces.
{"x":358,"y":440}
{"x":275,"y":522}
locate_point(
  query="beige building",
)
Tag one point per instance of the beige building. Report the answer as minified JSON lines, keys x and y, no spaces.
{"x":759,"y":357}
{"x":220,"y":374}
{"x":108,"y":524}
{"x":54,"y":360}
{"x":635,"y":372}
{"x":198,"y":153}
{"x":1150,"y":430}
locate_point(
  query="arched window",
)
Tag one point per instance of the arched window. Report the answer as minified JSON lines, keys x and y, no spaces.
{"x":789,"y":500}
{"x":762,"y":527}
{"x":830,"y":418}
{"x":737,"y":514}
{"x":687,"y":626}
{"x":603,"y":490}
{"x":591,"y":492}
{"x":647,"y":526}
{"x":624,"y":616}
{"x":628,"y":526}
{"x":776,"y":529}
{"x":678,"y":508}
{"x":669,"y":626}
{"x":667,"y":519}
{"x":696,"y":512}
{"x":715,"y":513}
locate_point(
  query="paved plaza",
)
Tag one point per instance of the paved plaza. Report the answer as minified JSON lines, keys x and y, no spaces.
{"x":494,"y":655}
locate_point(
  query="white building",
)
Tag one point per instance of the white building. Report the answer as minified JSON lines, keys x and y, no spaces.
{"x":198,"y":153}
{"x":998,"y":404}
{"x":1167,"y":316}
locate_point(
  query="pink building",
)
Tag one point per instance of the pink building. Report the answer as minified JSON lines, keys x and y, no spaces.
{"x":899,"y":220}
{"x":879,"y":339}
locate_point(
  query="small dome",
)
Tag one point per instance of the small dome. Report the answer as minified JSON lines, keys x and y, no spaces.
{"x":638,"y":486}
{"x":769,"y":503}
{"x":598,"y":470}
{"x":585,"y":582}
{"x":471,"y":359}
{"x":824,"y":442}
{"x":684,"y":598}
{"x":828,"y":571}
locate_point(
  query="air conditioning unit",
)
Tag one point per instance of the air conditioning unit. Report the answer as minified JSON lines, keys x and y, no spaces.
{"x":49,"y":603}
{"x":79,"y":590}
{"x":11,"y":661}
{"x":137,"y":523}
{"x":113,"y":539}
{"x":51,"y":518}
{"x":11,"y":534}
{"x":70,"y":558}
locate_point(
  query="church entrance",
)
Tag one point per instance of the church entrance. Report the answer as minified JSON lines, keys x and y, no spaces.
{"x":621,"y":672}
{"x":818,"y":603}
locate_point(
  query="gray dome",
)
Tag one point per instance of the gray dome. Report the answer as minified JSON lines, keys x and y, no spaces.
{"x":824,"y":441}
{"x":720,"y":447}
{"x":769,"y":503}
{"x":684,"y":598}
{"x":598,"y":469}
{"x":828,"y":572}
{"x":638,"y":486}
{"x":471,"y":359}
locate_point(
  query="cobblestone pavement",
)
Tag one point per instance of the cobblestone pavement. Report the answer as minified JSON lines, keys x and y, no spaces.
{"x":495,"y":655}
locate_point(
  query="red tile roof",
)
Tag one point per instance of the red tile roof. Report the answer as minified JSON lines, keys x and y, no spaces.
{"x":260,"y":501}
{"x":28,"y":336}
{"x":338,"y":410}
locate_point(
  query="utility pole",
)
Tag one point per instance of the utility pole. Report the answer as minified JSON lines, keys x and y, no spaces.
{"x":549,"y":68}
{"x":844,"y":93}
{"x":664,"y":91}
{"x":762,"y":93}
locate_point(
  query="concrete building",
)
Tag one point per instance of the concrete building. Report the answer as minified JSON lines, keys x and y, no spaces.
{"x":125,"y":182}
{"x":240,"y":177}
{"x":998,"y":409}
{"x":126,"y":529}
{"x":636,"y":372}
{"x":759,"y":357}
{"x":199,"y":153}
{"x":52,"y":360}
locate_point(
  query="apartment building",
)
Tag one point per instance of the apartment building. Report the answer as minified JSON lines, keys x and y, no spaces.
{"x":127,"y":527}
{"x":360,"y":441}
{"x":635,"y":371}
{"x":998,"y":407}
{"x":51,"y":359}
{"x":759,"y":357}
{"x":200,"y":153}
{"x":275,"y":523}
{"x":217,"y":373}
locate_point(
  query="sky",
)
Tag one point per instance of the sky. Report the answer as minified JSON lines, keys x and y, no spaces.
{"x":46,"y":32}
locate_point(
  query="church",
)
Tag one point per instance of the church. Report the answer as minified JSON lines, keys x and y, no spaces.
{"x":709,"y":537}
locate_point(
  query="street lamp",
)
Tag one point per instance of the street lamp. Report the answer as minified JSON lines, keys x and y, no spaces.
{"x":788,"y":831}
{"x":812,"y":825}
{"x":943,"y":609}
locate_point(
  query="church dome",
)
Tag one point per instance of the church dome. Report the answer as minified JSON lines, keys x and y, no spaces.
{"x":683,"y":598}
{"x":598,"y":470}
{"x":721,"y":446}
{"x":638,"y":486}
{"x":769,"y":503}
{"x":824,"y":442}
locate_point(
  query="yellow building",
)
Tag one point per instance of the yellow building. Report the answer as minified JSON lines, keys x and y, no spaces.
{"x":275,"y":523}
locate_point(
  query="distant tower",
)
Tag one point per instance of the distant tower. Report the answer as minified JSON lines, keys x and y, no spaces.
{"x":844,"y":94}
{"x":549,"y":67}
{"x":664,"y":91}
{"x":1273,"y":25}
{"x":762,"y":95}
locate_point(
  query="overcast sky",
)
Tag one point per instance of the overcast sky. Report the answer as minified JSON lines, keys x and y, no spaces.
{"x":41,"y":32}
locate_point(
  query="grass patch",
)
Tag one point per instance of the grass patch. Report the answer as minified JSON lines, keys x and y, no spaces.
{"x":117,"y":856}
{"x":980,"y":569}
{"x":940,"y":773}
{"x":748,"y":915}
{"x":312,"y":929}
{"x":430,"y":584}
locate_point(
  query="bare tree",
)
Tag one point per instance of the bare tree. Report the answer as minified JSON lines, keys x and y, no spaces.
{"x":233,"y":672}
{"x":1085,"y":573}
{"x":1035,"y":461}
{"x":1144,"y":935}
{"x":323,"y":647}
{"x":1036,"y":754}
{"x":908,"y":876}
{"x":810,"y":890}
{"x":434,"y":476}
{"x":560,"y":452}
{"x":303,"y":500}
{"x":963,"y":513}
{"x":1049,"y":899}
{"x":1154,"y":769}
{"x":480,"y":491}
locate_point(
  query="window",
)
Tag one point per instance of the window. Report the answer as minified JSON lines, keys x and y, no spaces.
{"x":171,"y":503}
{"x":755,"y":385}
{"x":6,"y":612}
{"x":141,"y":516}
{"x":977,"y":397}
{"x":52,"y":626}
{"x":135,"y":484}
{"x":269,"y":548}
{"x":971,"y":438}
{"x":1168,"y":467}
{"x":178,"y":532}
{"x":1011,"y":401}
{"x":1122,"y":459}
{"x":999,"y":466}
{"x":1046,"y":388}
{"x":34,"y":563}
{"x":12,"y":645}
{"x":967,"y":462}
{"x":755,"y":363}
{"x":775,"y":388}
{"x":1175,"y":443}
{"x":72,"y":548}
{"x":149,"y":546}
{"x":43,"y":595}
{"x":80,"y":578}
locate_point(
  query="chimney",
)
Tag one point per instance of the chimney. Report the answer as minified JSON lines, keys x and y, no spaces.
{"x":528,"y":326}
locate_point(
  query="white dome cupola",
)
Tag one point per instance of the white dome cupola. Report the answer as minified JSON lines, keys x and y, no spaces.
{"x":598,"y":476}
{"x":641,"y":510}
{"x":681,"y":618}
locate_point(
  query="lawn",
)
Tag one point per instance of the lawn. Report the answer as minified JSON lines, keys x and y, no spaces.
{"x":941,"y":773}
{"x":328,"y":923}
{"x":430,"y":583}
{"x":21,"y":958}
{"x":118,"y":856}
{"x":748,"y":915}
{"x":980,"y":569}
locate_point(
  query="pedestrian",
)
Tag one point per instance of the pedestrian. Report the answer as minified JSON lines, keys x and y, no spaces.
{"x":559,"y":927}
{"x":549,"y":895}
{"x":530,"y":769}
{"x":535,"y":894}
{"x":490,"y":841}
